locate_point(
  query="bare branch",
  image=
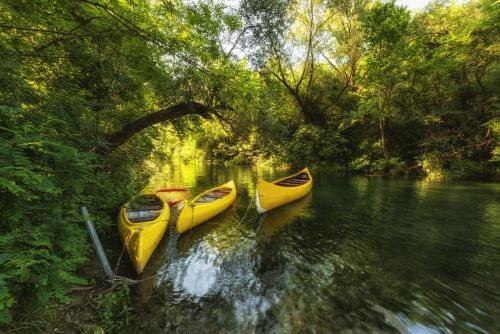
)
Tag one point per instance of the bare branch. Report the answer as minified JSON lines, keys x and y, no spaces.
{"x":240,"y":35}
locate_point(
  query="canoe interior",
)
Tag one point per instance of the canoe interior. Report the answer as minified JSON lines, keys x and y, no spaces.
{"x":214,"y":195}
{"x":294,"y":181}
{"x":144,"y":208}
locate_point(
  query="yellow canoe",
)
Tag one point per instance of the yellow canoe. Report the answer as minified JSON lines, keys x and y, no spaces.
{"x":270,"y":195}
{"x":141,"y":225}
{"x":206,"y":205}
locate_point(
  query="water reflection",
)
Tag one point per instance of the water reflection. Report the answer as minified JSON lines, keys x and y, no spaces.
{"x":361,"y":255}
{"x":272,"y":222}
{"x":198,"y":274}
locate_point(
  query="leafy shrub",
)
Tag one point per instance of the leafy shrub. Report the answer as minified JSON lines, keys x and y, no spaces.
{"x":361,"y":164}
{"x":312,"y":145}
{"x":43,"y":182}
{"x":392,"y":166}
{"x":464,"y":169}
{"x":112,"y":315}
{"x":432,"y":164}
{"x":41,"y":242}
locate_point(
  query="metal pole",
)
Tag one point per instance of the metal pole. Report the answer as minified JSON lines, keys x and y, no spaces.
{"x":101,"y":255}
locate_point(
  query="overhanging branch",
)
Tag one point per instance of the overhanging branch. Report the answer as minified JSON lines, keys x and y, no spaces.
{"x":167,"y":114}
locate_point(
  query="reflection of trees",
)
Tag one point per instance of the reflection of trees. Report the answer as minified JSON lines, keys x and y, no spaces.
{"x":381,"y":249}
{"x":429,"y":243}
{"x":424,"y":244}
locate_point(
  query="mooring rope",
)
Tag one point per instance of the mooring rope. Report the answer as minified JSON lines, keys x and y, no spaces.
{"x":121,"y":279}
{"x":125,"y":244}
{"x":244,"y":216}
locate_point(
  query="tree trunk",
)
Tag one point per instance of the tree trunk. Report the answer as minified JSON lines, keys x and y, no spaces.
{"x":312,"y":113}
{"x":381,"y":123}
{"x":128,"y":130}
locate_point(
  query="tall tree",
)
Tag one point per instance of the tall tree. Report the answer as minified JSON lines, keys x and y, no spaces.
{"x":385,"y":28}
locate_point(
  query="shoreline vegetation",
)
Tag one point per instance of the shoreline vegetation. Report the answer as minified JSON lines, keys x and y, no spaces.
{"x":95,"y":97}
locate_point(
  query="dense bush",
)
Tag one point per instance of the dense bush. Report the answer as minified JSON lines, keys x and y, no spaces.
{"x":315,"y":146}
{"x":43,"y":182}
{"x":42,"y":242}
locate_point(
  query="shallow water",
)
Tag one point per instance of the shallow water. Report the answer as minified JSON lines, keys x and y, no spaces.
{"x":357,"y":255}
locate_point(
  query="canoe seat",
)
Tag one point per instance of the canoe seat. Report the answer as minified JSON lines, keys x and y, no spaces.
{"x":297,"y":181}
{"x":294,"y":181}
{"x":145,"y":208}
{"x":139,"y":216}
{"x":214,"y":195}
{"x":205,"y":200}
{"x":284,"y":184}
{"x":222,"y":190}
{"x":217,"y":194}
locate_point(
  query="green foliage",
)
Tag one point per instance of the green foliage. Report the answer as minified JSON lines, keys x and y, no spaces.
{"x":311,"y":145}
{"x":419,"y":96}
{"x":432,"y":164}
{"x":385,"y":25}
{"x":495,"y":129}
{"x":112,"y":314}
{"x":42,"y":242}
{"x":392,"y":166}
{"x":465,"y":169}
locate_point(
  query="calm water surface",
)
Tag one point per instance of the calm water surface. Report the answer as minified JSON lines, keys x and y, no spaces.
{"x":357,"y":255}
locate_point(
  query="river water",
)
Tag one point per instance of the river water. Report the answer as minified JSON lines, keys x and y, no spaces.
{"x":357,"y":255}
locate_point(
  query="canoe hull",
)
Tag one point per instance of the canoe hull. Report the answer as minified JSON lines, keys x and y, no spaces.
{"x":194,"y":214}
{"x":270,"y":196}
{"x":141,"y":239}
